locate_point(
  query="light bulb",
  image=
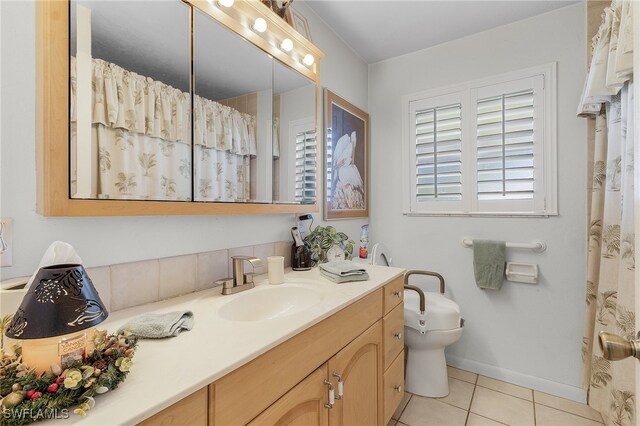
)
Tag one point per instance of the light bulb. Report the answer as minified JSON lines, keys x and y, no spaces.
{"x":308,"y":59}
{"x":286,"y":45}
{"x":260,"y":25}
{"x":225,"y":3}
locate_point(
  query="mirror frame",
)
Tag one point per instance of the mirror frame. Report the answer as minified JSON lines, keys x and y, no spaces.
{"x":52,"y":113}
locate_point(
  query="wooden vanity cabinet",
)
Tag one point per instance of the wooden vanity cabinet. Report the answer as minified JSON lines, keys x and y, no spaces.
{"x":286,"y":385}
{"x":191,"y":411}
{"x":358,"y":364}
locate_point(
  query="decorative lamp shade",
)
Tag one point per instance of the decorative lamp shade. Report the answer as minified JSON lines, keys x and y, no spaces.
{"x":62,"y":300}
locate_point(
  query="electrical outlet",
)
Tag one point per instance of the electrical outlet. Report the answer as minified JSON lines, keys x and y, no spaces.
{"x":6,"y":242}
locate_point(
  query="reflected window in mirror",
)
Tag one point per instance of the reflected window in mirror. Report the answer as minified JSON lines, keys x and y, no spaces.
{"x":294,"y":137}
{"x":233,"y":116}
{"x":130,"y":100}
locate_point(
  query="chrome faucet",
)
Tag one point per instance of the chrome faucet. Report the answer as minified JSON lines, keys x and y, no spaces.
{"x":240,"y":281}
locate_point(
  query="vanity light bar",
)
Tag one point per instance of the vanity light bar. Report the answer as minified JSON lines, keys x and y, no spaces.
{"x":251,"y":19}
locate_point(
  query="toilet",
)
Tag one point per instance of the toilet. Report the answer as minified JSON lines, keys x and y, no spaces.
{"x":426,"y":335}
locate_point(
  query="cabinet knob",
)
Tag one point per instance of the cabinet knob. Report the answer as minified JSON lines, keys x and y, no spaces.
{"x":398,"y":388}
{"x":397,"y":335}
{"x":397,"y":294}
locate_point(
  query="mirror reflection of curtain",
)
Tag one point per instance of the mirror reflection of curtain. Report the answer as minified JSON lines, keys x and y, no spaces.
{"x":224,"y":141}
{"x":611,"y":289}
{"x":141,"y":137}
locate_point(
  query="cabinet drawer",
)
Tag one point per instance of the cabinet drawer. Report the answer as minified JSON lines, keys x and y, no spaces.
{"x":393,"y":294}
{"x":393,"y":387}
{"x":191,"y":410}
{"x":393,"y":332}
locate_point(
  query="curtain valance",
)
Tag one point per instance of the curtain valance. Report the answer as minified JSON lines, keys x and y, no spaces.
{"x":125,"y":100}
{"x":612,"y":61}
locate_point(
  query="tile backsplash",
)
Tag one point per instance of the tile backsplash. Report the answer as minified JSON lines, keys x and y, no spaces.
{"x":130,"y":284}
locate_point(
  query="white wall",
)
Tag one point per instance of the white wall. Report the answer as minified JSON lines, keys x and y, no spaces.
{"x":101,"y":241}
{"x":529,"y":334}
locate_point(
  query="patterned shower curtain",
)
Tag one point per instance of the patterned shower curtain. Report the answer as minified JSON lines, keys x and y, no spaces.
{"x":610,"y":295}
{"x":141,"y":140}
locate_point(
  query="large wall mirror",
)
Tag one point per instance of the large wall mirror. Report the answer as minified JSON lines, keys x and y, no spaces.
{"x":182,"y":103}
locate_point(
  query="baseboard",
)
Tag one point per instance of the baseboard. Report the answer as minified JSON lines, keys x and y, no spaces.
{"x":543,"y":385}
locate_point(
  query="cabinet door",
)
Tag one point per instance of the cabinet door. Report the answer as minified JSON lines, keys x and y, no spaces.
{"x":301,"y":406}
{"x":360,"y":366}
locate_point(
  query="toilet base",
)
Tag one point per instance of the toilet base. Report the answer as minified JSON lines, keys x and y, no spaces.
{"x":427,"y":373}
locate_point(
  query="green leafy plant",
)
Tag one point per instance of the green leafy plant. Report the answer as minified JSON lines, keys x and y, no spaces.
{"x":322,"y":238}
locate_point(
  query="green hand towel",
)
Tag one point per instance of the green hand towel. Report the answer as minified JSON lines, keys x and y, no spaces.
{"x":158,"y":326}
{"x":488,"y":263}
{"x":344,"y":278}
{"x":342,"y":268}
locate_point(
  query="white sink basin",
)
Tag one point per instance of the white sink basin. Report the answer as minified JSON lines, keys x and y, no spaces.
{"x":269,"y":302}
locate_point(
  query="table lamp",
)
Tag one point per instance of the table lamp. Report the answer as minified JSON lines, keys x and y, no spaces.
{"x":55,"y":317}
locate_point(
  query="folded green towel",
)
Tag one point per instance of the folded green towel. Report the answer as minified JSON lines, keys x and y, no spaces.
{"x":344,"y":278}
{"x":342,"y":268}
{"x":158,"y":326}
{"x":488,"y":263}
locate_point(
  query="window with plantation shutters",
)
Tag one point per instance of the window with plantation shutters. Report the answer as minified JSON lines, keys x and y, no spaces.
{"x":306,"y":167}
{"x":438,"y":144}
{"x":484,"y":147}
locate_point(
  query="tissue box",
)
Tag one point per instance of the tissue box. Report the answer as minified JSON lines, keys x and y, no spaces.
{"x":522,"y":272}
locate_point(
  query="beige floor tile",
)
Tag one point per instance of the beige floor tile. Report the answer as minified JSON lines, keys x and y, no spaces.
{"x":547,"y":416}
{"x":476,"y":420}
{"x":505,"y":387}
{"x":502,"y":407}
{"x":401,"y":407}
{"x":460,"y":394}
{"x":566,"y":405}
{"x":423,"y":411}
{"x":459,"y":374}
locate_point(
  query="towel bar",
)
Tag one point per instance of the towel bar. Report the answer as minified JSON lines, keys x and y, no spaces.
{"x":537,"y":246}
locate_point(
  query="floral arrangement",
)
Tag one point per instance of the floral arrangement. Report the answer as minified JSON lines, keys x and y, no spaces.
{"x":322,"y":238}
{"x":27,"y":397}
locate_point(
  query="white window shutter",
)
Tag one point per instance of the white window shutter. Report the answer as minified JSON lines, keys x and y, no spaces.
{"x":306,"y":152}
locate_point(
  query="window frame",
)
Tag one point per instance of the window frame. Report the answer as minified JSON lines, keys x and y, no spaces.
{"x":545,"y":202}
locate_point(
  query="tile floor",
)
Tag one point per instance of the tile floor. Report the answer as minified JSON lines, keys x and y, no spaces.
{"x":476,"y":400}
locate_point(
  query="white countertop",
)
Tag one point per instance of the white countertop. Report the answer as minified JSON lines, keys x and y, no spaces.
{"x":167,"y":370}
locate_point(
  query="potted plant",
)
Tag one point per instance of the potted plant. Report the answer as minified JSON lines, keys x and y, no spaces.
{"x":327,"y":244}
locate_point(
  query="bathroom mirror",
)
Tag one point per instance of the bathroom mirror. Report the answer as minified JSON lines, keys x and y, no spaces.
{"x":233,"y":114}
{"x":130,"y":101}
{"x":128,"y":97}
{"x":295,"y":150}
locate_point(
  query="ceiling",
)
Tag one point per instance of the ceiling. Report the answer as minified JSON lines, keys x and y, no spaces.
{"x":380,"y":29}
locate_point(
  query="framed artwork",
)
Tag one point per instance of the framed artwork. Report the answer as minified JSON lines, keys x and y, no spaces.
{"x":300,"y":24}
{"x":345,"y":159}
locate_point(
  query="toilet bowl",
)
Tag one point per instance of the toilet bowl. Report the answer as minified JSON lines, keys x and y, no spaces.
{"x":426,"y":337}
{"x":426,"y":334}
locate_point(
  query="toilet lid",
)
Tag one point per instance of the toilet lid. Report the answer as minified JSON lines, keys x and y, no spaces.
{"x":441,"y":313}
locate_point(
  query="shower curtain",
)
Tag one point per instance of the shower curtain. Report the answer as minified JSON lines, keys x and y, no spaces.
{"x":141,"y":141}
{"x":610,"y":293}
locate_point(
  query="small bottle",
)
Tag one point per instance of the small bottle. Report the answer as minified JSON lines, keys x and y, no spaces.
{"x":363,"y":253}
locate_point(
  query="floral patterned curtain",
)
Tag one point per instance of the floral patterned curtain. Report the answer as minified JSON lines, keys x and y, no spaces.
{"x":141,"y":134}
{"x":610,"y":294}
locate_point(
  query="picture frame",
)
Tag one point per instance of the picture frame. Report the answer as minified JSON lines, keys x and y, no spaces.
{"x":346,"y":137}
{"x":300,"y":23}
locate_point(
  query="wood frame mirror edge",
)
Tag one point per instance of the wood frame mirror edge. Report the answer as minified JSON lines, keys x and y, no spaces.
{"x":52,"y":139}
